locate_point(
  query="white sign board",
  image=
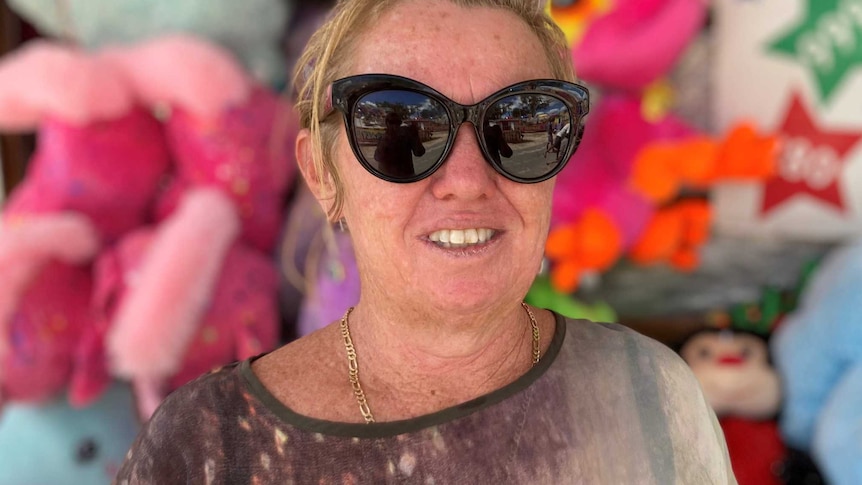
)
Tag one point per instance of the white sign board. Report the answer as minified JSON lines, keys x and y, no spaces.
{"x":795,"y":68}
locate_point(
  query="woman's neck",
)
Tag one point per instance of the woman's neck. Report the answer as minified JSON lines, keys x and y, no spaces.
{"x":411,"y":364}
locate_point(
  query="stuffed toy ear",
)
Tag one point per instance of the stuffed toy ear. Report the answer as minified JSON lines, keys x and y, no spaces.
{"x":43,"y":79}
{"x":184,"y":71}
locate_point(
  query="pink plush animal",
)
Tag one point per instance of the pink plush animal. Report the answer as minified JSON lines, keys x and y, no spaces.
{"x":46,"y":333}
{"x":94,"y":173}
{"x":232,"y":171}
{"x":210,"y":172}
{"x":239,"y":316}
{"x":637,"y":42}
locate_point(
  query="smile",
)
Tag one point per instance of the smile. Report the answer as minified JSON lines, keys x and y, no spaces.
{"x":459,"y":238}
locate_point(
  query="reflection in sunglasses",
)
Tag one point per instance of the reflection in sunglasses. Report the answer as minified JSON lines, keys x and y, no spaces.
{"x":402,"y":130}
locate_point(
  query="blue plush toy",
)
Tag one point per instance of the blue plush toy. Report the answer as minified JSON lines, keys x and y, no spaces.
{"x":251,"y":29}
{"x":818,"y":352}
{"x":56,"y":444}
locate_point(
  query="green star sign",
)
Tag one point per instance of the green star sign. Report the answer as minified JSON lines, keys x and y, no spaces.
{"x":828,"y":41}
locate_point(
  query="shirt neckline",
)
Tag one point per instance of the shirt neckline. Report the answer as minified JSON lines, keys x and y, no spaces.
{"x":393,"y":428}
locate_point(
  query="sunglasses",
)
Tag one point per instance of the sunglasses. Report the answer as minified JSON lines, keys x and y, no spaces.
{"x":402,"y":130}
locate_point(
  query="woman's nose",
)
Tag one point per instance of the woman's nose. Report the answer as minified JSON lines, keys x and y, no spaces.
{"x":465,"y":173}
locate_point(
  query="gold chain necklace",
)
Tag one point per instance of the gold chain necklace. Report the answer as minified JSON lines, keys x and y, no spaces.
{"x":353,"y":366}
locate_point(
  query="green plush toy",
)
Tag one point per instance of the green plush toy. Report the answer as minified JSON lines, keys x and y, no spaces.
{"x":543,"y":295}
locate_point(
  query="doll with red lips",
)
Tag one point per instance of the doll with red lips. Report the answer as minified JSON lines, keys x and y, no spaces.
{"x":738,"y":380}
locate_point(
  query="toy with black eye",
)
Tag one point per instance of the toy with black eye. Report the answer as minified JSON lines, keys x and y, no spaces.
{"x":739,"y":381}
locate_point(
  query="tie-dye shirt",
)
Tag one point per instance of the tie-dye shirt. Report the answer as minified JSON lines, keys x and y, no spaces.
{"x":605,"y":405}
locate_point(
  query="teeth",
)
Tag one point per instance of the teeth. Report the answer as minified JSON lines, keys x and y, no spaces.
{"x":456,"y":237}
{"x":461,"y":237}
{"x":471,"y":236}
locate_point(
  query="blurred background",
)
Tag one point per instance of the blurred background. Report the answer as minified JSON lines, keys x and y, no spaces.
{"x":153,"y":225}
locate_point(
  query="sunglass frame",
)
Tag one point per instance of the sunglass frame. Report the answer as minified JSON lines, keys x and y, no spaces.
{"x":346,"y":92}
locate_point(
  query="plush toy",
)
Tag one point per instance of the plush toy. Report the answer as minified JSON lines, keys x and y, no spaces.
{"x":738,"y":380}
{"x":232,"y":173}
{"x":572,"y":16}
{"x":734,"y":367}
{"x":818,"y":353}
{"x":251,"y":29}
{"x":334,"y":285}
{"x":543,"y":295}
{"x":69,"y":207}
{"x":240,"y":317}
{"x":55,"y":443}
{"x":616,"y":197}
{"x":212,"y":173}
{"x":318,"y":266}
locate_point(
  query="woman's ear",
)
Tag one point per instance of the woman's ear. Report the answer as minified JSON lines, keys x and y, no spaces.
{"x":319,"y":183}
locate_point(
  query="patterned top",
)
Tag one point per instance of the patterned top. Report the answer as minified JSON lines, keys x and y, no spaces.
{"x":604,"y":405}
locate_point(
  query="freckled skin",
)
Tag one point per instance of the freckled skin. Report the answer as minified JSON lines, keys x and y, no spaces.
{"x":466,"y":57}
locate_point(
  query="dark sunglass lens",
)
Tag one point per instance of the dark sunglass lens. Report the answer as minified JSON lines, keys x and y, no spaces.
{"x":528,"y":135}
{"x":401,"y":134}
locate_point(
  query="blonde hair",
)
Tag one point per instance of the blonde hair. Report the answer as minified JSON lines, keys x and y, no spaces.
{"x":327,"y":57}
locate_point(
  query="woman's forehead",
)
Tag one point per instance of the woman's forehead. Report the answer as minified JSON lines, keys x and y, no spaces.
{"x":465,"y":53}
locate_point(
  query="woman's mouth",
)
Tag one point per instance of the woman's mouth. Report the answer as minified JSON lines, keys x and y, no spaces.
{"x":461,"y":238}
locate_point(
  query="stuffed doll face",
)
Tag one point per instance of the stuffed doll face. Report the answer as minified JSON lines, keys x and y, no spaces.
{"x":725,"y":350}
{"x":734,"y":372}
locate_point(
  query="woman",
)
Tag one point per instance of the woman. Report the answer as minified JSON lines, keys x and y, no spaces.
{"x":439,"y":374}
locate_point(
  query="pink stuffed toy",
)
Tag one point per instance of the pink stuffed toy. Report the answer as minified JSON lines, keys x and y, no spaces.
{"x":100,"y":173}
{"x":637,"y":42}
{"x":75,"y":200}
{"x":231,"y":177}
{"x":239,"y":320}
{"x":45,"y":334}
{"x":618,"y":179}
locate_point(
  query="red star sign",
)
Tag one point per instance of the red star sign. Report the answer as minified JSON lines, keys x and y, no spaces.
{"x":811,"y":162}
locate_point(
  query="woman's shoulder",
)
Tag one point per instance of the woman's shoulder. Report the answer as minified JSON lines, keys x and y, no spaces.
{"x":211,"y":389}
{"x":186,"y":429}
{"x":604,"y":340}
{"x":649,"y":384}
{"x":616,"y":353}
{"x":199,"y":404}
{"x":609,"y":334}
